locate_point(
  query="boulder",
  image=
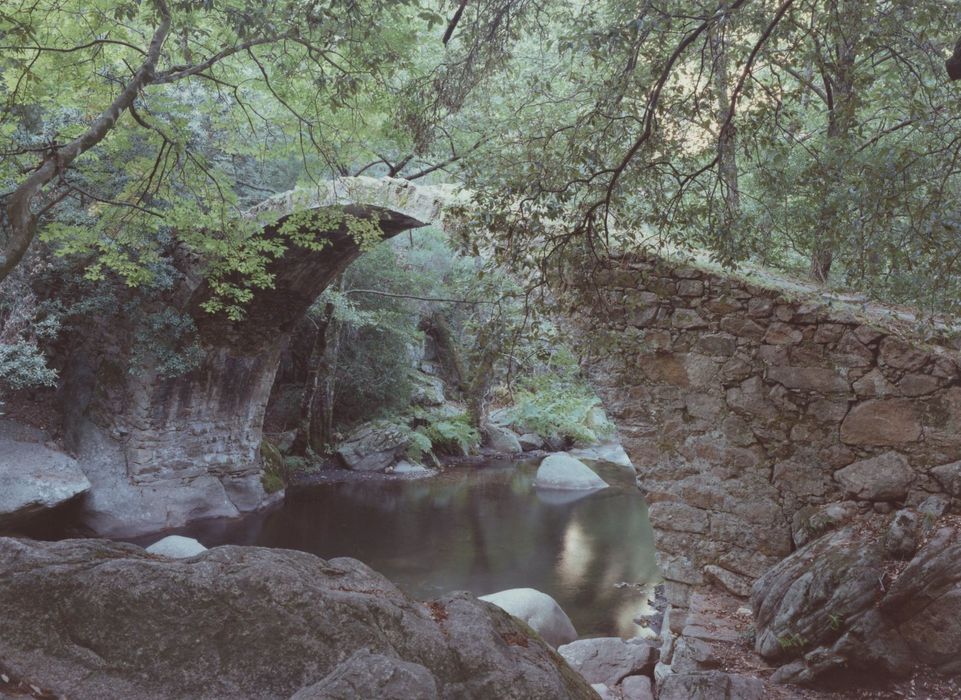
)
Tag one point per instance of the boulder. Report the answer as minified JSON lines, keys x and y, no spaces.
{"x":176,"y":547}
{"x":502,"y":439}
{"x":538,"y":610}
{"x":712,"y":685}
{"x":924,"y":602}
{"x":249,"y":622}
{"x":35,"y":478}
{"x":815,"y":611}
{"x":428,"y":390}
{"x":949,"y":476}
{"x":117,"y":506}
{"x":561,"y":471}
{"x":637,"y":688}
{"x":882,"y":478}
{"x":530,"y":442}
{"x":603,"y":692}
{"x":373,"y":447}
{"x":609,"y":660}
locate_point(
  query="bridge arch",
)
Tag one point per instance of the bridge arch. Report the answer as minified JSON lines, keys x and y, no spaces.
{"x":160,"y":452}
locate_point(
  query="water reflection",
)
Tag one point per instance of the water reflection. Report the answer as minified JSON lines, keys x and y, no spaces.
{"x":483,"y":530}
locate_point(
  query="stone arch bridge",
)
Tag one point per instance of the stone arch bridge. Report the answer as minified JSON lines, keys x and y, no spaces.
{"x":745,"y":405}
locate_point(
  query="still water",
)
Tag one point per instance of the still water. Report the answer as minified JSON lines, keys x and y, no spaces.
{"x":481,"y":530}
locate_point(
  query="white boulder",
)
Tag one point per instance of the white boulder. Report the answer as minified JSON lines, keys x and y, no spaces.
{"x":538,"y":610}
{"x":561,"y":471}
{"x":176,"y":547}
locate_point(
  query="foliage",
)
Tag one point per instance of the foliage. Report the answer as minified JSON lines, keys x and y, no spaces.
{"x":562,"y":408}
{"x":442,"y":433}
{"x":811,"y":136}
{"x":23,"y":365}
{"x":166,"y":341}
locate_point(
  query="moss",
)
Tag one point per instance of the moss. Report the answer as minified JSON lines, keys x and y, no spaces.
{"x":272,"y":477}
{"x":272,"y":482}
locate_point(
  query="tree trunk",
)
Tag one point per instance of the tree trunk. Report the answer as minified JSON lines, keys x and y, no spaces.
{"x":838,"y":73}
{"x":21,"y":221}
{"x":482,"y":378}
{"x":449,"y":352}
{"x":306,"y":437}
{"x":726,"y":140}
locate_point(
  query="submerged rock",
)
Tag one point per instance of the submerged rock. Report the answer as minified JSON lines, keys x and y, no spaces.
{"x":405,"y":467}
{"x":250,"y":622}
{"x":35,"y":478}
{"x":538,"y":610}
{"x":561,"y":471}
{"x":176,"y":547}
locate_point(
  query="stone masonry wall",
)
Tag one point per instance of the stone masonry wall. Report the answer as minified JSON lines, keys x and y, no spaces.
{"x":744,"y":407}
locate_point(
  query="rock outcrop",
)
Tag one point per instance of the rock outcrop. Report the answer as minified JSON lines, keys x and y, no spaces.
{"x":841,"y":601}
{"x":95,"y":619}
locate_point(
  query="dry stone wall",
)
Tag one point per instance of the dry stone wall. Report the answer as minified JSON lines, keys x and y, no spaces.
{"x":744,"y":408}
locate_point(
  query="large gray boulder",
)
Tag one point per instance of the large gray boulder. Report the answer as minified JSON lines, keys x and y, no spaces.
{"x":373,"y":447}
{"x":34,"y":478}
{"x":835,"y":603}
{"x":502,"y":440}
{"x":93,"y":619}
{"x":118,"y":506}
{"x":609,"y":660}
{"x":538,"y":610}
{"x":561,"y":471}
{"x":808,"y":600}
{"x":924,"y":603}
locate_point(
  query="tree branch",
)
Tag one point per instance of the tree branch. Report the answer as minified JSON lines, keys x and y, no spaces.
{"x":20,"y":216}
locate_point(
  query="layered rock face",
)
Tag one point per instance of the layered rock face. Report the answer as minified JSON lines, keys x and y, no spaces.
{"x":96,"y":619}
{"x":741,"y":404}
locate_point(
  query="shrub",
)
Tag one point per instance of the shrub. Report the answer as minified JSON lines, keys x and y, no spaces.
{"x":23,"y":365}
